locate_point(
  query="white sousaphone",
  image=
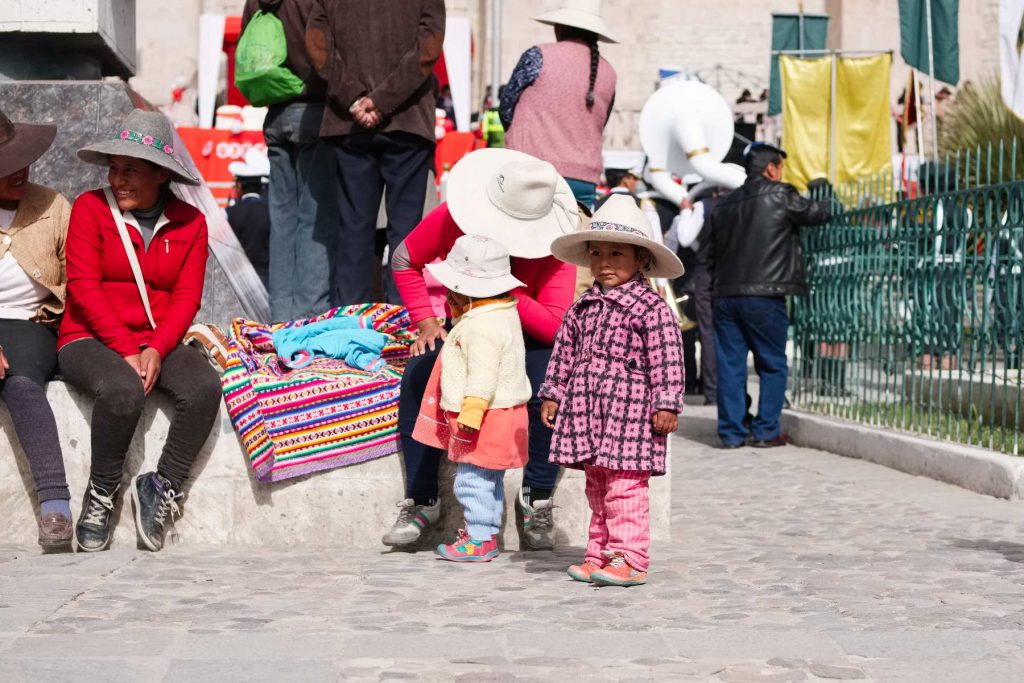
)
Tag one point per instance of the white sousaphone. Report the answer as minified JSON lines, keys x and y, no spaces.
{"x":686,"y":127}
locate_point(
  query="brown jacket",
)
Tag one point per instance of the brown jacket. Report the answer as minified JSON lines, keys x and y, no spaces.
{"x":37,"y":235}
{"x":385,"y":49}
{"x":293,"y":15}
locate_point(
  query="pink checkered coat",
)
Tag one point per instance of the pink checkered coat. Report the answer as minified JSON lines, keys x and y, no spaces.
{"x":618,"y":359}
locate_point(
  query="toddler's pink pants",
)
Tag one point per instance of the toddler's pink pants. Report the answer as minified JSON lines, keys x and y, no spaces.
{"x":620,"y":515}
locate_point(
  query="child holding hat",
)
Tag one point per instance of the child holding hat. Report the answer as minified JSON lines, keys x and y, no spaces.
{"x":614,"y":386}
{"x":475,"y":402}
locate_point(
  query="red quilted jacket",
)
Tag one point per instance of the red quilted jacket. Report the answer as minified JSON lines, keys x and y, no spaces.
{"x":103,"y":300}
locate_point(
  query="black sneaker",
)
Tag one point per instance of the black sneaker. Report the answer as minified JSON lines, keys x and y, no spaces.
{"x":152,"y":499}
{"x":93,"y":529}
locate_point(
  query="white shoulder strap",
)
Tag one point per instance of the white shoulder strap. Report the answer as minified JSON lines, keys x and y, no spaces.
{"x":129,"y":249}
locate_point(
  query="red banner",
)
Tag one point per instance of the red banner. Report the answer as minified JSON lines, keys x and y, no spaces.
{"x":213,"y":149}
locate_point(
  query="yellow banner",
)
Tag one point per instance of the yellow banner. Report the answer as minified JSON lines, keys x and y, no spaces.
{"x":863,"y":124}
{"x":806,"y":95}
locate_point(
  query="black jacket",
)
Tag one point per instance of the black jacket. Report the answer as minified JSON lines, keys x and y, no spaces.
{"x":250,"y":220}
{"x":756,"y":240}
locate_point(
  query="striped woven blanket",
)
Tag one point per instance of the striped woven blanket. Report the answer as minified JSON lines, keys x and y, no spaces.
{"x":324,"y":415}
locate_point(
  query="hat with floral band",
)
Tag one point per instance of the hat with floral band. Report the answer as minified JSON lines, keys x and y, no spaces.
{"x":146,"y":135}
{"x":477,"y":266}
{"x":513,"y":198}
{"x":618,"y":220}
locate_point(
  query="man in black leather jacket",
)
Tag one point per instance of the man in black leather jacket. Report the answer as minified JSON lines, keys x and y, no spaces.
{"x":755,"y":243}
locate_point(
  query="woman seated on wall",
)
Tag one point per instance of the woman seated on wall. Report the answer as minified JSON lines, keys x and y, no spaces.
{"x":33,"y":226}
{"x":136,"y":259}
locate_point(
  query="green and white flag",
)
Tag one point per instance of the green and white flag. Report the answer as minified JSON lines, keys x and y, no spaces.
{"x":945,"y":37}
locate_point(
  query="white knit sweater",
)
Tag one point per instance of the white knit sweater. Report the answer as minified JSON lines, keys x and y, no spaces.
{"x":484,"y":357}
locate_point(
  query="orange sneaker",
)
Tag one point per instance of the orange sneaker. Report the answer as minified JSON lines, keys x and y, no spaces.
{"x":617,"y":573}
{"x":583,"y":570}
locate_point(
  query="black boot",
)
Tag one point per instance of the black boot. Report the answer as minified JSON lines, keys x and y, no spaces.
{"x":93,"y":528}
{"x":152,"y":498}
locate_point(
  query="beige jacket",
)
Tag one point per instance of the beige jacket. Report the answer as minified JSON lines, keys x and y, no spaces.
{"x":37,"y":241}
{"x":483,"y":363}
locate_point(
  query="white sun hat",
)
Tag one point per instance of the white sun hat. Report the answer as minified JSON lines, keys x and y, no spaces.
{"x":256,"y":164}
{"x":618,"y":220}
{"x":513,"y":198}
{"x":584,"y":14}
{"x":477,"y":266}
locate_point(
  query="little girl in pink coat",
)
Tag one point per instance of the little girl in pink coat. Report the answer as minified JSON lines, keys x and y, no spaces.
{"x":614,"y":386}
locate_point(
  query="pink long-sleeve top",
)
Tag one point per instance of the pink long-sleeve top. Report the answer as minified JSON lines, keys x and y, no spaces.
{"x":548,"y":293}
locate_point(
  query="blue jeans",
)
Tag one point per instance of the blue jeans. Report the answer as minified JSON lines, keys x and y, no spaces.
{"x":303,"y":199}
{"x":585,"y":193}
{"x":746,"y":324}
{"x":422,"y":462}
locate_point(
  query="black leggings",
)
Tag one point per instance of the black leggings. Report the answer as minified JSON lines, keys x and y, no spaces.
{"x":185,"y":376}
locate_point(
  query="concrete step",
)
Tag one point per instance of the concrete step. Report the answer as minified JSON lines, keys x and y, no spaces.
{"x":349,"y":507}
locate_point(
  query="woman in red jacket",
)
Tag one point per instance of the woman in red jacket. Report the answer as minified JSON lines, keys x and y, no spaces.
{"x":524,"y":204}
{"x":116,"y":345}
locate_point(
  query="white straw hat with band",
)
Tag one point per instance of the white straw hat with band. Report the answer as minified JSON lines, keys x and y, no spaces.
{"x":143,"y":135}
{"x":584,"y":14}
{"x":618,"y":220}
{"x":511,"y":197}
{"x":477,"y":266}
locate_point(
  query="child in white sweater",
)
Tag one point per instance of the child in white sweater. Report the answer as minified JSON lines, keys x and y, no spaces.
{"x":475,"y":402}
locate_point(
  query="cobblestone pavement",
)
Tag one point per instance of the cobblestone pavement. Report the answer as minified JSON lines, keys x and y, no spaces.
{"x":787,"y":565}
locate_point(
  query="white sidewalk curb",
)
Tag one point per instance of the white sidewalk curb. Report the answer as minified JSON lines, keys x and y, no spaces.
{"x":975,"y":469}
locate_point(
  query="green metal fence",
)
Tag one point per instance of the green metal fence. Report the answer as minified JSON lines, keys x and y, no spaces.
{"x":915,"y":318}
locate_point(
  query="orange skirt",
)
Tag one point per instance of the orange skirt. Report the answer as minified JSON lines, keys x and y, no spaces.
{"x":501,"y":443}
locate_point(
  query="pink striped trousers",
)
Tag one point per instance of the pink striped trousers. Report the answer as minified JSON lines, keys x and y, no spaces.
{"x":620,"y":515}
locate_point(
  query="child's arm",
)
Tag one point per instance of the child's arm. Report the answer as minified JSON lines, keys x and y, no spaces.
{"x":560,"y":367}
{"x":664,"y":344}
{"x":482,"y":353}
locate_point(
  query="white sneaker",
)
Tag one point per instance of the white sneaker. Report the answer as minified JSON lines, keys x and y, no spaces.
{"x":537,"y":523}
{"x":411,"y":522}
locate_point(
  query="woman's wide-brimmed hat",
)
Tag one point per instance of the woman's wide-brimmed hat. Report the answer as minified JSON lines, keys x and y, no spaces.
{"x":619,"y":220}
{"x":21,"y":144}
{"x":144,"y":135}
{"x":477,"y":266}
{"x":584,"y":14}
{"x":513,"y":198}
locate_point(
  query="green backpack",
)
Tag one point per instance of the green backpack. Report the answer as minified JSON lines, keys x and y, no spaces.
{"x":260,"y":73}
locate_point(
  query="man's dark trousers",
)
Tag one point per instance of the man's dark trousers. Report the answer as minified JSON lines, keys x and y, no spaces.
{"x":367,"y":163}
{"x":750,"y":324}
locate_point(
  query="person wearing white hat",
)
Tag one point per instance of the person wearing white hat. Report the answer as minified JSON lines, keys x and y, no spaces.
{"x":524,"y":204}
{"x":615,"y":384}
{"x":249,"y":216}
{"x":475,"y":402}
{"x":560,"y":95}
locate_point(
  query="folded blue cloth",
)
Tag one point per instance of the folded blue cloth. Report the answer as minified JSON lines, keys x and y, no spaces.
{"x":345,"y":338}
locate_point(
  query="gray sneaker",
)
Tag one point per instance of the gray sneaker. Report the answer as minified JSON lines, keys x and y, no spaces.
{"x":152,"y":499}
{"x":537,"y":523}
{"x":93,"y":529}
{"x":412,"y":521}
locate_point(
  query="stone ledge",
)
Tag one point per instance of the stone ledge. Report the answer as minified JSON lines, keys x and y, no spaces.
{"x":975,"y":469}
{"x":350,"y":507}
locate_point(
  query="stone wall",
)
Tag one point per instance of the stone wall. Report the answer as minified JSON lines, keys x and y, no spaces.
{"x":345,"y":508}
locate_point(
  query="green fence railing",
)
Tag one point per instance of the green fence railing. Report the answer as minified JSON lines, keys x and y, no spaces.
{"x":915,"y":318}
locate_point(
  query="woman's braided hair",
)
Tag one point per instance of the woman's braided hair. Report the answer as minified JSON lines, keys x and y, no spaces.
{"x":590,"y":38}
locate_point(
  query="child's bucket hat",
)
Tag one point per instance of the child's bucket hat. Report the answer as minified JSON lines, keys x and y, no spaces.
{"x":477,"y":266}
{"x":618,"y":220}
